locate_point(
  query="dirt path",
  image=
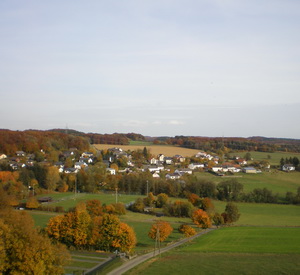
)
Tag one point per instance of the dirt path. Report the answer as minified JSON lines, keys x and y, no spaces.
{"x":138,"y":260}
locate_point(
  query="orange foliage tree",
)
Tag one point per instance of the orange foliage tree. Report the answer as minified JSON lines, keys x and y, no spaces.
{"x":201,"y":218}
{"x":187,"y":230}
{"x":162,"y":229}
{"x":194,"y":199}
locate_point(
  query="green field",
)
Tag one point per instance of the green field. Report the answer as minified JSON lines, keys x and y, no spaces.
{"x":275,"y":157}
{"x":70,"y":200}
{"x":233,"y":250}
{"x":276,"y":181}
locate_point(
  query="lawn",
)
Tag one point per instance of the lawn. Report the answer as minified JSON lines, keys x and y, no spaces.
{"x":276,"y":181}
{"x":274,"y":157}
{"x":283,"y":240}
{"x":262,"y":214}
{"x":70,"y":200}
{"x":232,"y":250}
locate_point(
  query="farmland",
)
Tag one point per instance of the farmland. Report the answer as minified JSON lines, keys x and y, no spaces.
{"x":154,"y":149}
{"x":233,"y":250}
{"x":276,"y":181}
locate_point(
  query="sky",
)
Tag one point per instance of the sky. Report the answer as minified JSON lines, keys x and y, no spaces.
{"x":156,"y":67}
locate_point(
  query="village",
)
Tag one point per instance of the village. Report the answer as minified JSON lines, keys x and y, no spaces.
{"x":170,"y":167}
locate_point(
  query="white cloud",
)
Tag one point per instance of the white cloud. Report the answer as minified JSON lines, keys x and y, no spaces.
{"x":175,"y":122}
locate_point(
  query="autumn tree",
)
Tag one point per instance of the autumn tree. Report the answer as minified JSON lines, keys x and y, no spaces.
{"x":23,"y":250}
{"x":52,"y":178}
{"x":201,"y":218}
{"x":32,"y":203}
{"x":115,"y":235}
{"x":94,"y":208}
{"x":194,"y":199}
{"x":160,"y":230}
{"x":207,"y":205}
{"x":149,"y":200}
{"x":187,"y":230}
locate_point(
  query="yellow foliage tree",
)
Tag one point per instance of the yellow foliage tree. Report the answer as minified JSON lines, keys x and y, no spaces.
{"x":32,"y":203}
{"x":187,"y":230}
{"x":23,"y":250}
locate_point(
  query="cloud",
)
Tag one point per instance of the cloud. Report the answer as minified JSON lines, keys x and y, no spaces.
{"x":175,"y":122}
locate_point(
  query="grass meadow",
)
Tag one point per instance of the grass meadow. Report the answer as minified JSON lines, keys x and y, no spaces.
{"x":232,"y":250}
{"x":276,"y":181}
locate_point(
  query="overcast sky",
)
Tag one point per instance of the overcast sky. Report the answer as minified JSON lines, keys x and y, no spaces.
{"x":165,"y":67}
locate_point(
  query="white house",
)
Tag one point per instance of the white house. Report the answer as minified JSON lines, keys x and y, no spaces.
{"x":184,"y":171}
{"x":3,"y":156}
{"x":161,"y":157}
{"x":79,"y":165}
{"x":111,"y":171}
{"x":173,"y":176}
{"x":168,"y":160}
{"x":153,"y":161}
{"x":249,"y":170}
{"x":194,"y":166}
{"x":288,"y":167}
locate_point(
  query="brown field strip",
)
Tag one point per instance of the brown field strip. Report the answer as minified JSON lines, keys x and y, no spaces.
{"x":168,"y":151}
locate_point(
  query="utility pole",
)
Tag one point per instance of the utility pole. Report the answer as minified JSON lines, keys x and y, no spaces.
{"x":116,"y":195}
{"x":147,"y":188}
{"x":157,"y":241}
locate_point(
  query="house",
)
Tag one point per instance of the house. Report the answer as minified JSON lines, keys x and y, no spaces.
{"x":288,"y":167}
{"x":194,"y":166}
{"x":153,"y":161}
{"x":161,"y":157}
{"x":249,"y":170}
{"x":153,"y":168}
{"x":203,"y":155}
{"x":87,"y":155}
{"x":111,"y":171}
{"x":168,"y":160}
{"x":3,"y":156}
{"x":86,"y":160}
{"x":179,"y":158}
{"x":79,"y":165}
{"x":71,"y":170}
{"x":173,"y":176}
{"x":183,"y":171}
{"x":155,"y":174}
{"x":20,"y":153}
{"x":217,"y":169}
{"x":241,"y":161}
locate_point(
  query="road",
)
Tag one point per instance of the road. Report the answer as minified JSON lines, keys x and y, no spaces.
{"x":138,"y":260}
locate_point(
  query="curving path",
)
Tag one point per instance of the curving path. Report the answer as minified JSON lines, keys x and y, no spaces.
{"x":138,"y":260}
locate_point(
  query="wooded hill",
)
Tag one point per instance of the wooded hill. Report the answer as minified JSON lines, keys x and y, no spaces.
{"x":62,"y":139}
{"x":261,"y":144}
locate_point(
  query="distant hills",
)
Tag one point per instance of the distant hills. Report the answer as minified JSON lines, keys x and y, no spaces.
{"x":31,"y":140}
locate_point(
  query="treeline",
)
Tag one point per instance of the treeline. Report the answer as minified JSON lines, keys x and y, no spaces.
{"x":33,"y":141}
{"x":244,"y":144}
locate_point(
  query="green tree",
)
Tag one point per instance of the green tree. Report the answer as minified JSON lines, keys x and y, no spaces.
{"x":162,"y":200}
{"x":247,"y":156}
{"x":231,"y":213}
